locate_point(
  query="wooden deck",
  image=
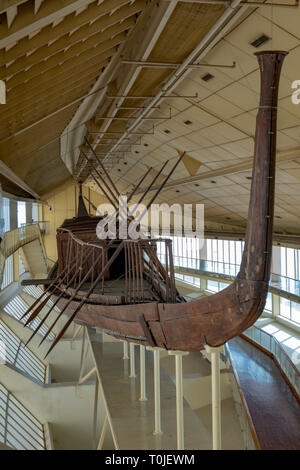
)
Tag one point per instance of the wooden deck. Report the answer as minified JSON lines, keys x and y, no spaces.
{"x":273,"y":409}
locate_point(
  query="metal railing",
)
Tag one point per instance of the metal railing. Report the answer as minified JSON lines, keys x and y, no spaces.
{"x":43,"y":224}
{"x":19,"y":429}
{"x":221,"y":267}
{"x":14,"y":352}
{"x":14,"y":240}
{"x":271,"y":344}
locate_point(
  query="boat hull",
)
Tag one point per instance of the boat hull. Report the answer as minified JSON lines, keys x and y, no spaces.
{"x":183,"y":326}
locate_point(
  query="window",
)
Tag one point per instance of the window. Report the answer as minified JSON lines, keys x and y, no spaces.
{"x":19,"y":429}
{"x":269,"y":303}
{"x":289,"y":262}
{"x":5,"y":216}
{"x":212,"y":286}
{"x":35,"y":212}
{"x":21,"y":212}
{"x":290,"y":310}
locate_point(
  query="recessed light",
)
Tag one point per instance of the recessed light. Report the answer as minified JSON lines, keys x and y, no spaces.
{"x":207,"y":77}
{"x":260,"y":40}
{"x":188,"y":122}
{"x":167,"y":131}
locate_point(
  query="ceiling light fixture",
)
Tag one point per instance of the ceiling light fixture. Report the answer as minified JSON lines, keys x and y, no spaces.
{"x":207,"y":77}
{"x":260,"y":40}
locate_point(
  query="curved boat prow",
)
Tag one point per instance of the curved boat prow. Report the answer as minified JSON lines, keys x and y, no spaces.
{"x":216,"y":319}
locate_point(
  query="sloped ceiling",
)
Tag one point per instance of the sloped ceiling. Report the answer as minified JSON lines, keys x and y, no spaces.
{"x":53,"y":54}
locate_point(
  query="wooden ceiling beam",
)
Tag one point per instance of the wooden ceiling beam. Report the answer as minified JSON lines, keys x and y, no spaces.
{"x":5,"y":4}
{"x":60,"y":86}
{"x":35,"y":139}
{"x":55,"y":76}
{"x":11,"y":13}
{"x":59,"y":45}
{"x":40,"y":83}
{"x":45,"y":117}
{"x":9,"y":174}
{"x":62,"y":57}
{"x":50,"y":33}
{"x":27,"y":21}
{"x":34,"y":111}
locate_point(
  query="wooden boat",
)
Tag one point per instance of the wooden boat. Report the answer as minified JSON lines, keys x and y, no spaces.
{"x":123,"y":287}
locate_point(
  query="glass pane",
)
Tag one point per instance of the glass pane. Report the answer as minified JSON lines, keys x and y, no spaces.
{"x":226,"y":251}
{"x":220,"y":251}
{"x":285,"y":308}
{"x":295,"y":312}
{"x":268,"y":305}
{"x":290,"y":261}
{"x":212,"y":286}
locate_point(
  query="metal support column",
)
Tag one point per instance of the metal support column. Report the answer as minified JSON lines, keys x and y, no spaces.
{"x":132,"y":361}
{"x":216,"y":395}
{"x":157,"y":413}
{"x":179,"y":397}
{"x":142,"y":374}
{"x":125,"y":350}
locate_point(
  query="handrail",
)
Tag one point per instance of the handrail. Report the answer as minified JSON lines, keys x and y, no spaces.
{"x":294,"y":383}
{"x":226,"y":263}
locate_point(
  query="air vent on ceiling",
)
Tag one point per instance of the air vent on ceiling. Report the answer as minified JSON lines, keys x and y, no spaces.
{"x":260,"y":40}
{"x":207,"y":77}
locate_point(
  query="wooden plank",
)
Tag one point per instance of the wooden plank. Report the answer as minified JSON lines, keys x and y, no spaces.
{"x":93,"y":44}
{"x":66,"y":41}
{"x":50,"y":33}
{"x":273,"y":408}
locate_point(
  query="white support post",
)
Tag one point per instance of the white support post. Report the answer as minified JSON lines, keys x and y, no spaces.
{"x":142,"y":374}
{"x":132,"y":361}
{"x":95,"y":412}
{"x":179,"y":397}
{"x":125,"y":350}
{"x":157,"y":414}
{"x":216,"y":395}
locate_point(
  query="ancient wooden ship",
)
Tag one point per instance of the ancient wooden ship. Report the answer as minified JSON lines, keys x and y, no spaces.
{"x":124,"y":288}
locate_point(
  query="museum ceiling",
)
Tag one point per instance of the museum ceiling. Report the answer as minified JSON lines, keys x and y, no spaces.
{"x":68,"y":77}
